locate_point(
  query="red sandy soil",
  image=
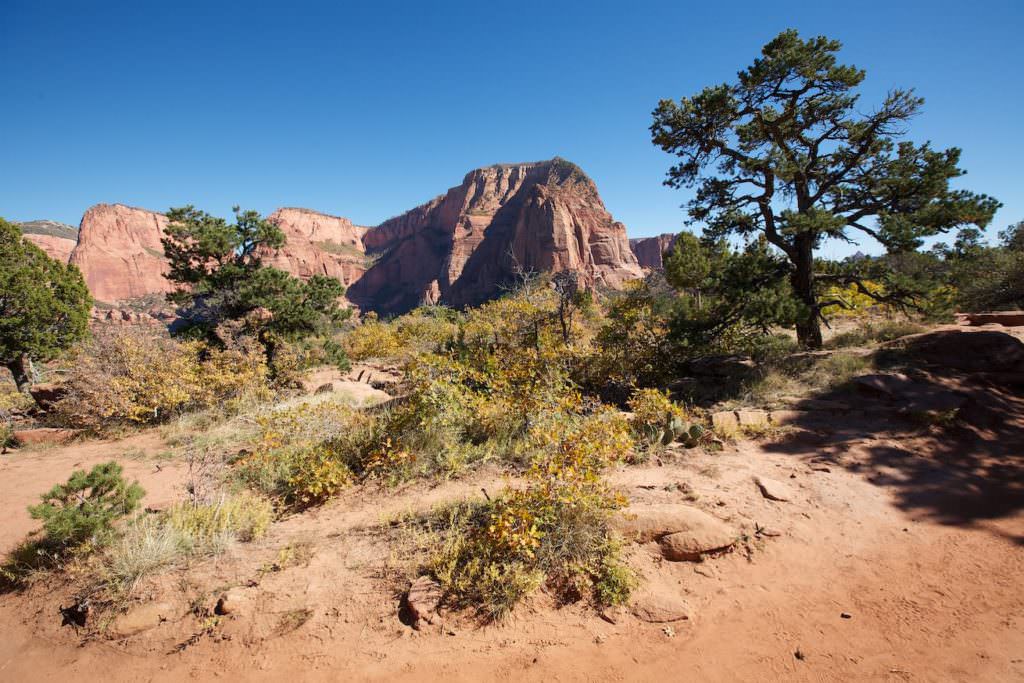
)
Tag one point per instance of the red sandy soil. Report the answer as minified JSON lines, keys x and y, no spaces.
{"x":916,"y":535}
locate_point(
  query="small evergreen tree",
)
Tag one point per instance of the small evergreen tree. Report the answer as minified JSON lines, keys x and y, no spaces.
{"x":86,"y":507}
{"x":44,"y":304}
{"x":688,"y":265}
{"x":221,"y":277}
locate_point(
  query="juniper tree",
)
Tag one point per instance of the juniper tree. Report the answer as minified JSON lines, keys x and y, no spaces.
{"x":785,"y":151}
{"x":44,"y":304}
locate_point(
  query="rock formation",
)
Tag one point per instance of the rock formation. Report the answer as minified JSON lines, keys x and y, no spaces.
{"x":465,"y":246}
{"x":120,"y":254}
{"x":460,"y":249}
{"x":318,"y":244}
{"x":56,"y":239}
{"x":649,"y":250}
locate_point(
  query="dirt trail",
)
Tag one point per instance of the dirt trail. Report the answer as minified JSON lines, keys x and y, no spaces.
{"x":930,"y":597}
{"x":27,"y":473}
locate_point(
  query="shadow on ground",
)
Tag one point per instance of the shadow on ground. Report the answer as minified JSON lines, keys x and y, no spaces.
{"x":942,"y":426}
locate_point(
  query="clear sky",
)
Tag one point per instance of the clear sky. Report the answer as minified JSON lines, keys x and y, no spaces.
{"x":368,"y":109}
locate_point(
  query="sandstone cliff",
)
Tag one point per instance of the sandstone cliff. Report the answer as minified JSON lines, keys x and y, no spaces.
{"x":460,"y":248}
{"x":56,"y":239}
{"x":465,"y":246}
{"x":318,"y":244}
{"x":120,"y":254}
{"x":650,"y":250}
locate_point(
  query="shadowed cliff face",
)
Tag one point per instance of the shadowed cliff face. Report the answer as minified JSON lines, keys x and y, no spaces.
{"x":649,"y":251}
{"x":468,"y":245}
{"x":460,"y":249}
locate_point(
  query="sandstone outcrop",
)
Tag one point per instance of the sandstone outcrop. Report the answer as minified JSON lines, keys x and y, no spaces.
{"x":56,"y":239}
{"x":319,"y":244}
{"x":119,"y":252}
{"x":461,"y":248}
{"x":464,"y":247}
{"x":649,"y":251}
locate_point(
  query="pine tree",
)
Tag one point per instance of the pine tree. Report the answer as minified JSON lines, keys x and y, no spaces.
{"x":785,"y":152}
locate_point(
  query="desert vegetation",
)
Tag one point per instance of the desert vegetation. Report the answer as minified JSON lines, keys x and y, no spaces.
{"x":550,"y":393}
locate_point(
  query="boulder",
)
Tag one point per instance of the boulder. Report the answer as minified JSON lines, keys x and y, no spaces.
{"x":683,"y":531}
{"x":1004,"y":318}
{"x":966,"y":350}
{"x":773,"y":490}
{"x":423,"y":598}
{"x":142,"y":618}
{"x":882,"y":385}
{"x":46,"y":394}
{"x":725,"y":422}
{"x":44,"y":435}
{"x":659,"y":606}
{"x":752,"y":418}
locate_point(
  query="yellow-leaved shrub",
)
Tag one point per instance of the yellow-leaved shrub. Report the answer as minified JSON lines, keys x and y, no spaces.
{"x":137,"y":377}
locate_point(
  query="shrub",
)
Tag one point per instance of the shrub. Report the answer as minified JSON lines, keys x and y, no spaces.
{"x":128,"y":378}
{"x":306,"y":454}
{"x":554,"y":531}
{"x":86,"y":507}
{"x":424,"y":330}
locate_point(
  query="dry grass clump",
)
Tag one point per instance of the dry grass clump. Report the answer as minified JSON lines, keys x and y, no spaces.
{"x":154,"y":542}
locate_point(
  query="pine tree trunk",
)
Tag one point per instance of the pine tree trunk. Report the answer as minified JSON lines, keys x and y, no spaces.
{"x":19,"y":369}
{"x":808,"y":328}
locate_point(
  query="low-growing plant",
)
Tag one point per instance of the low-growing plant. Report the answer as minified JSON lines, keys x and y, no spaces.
{"x":85,"y":508}
{"x":554,"y":531}
{"x":307,"y":454}
{"x":153,"y":542}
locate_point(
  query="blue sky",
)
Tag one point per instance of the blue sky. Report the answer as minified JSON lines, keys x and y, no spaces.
{"x":367,"y":109}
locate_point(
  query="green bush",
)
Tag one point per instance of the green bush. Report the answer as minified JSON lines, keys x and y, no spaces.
{"x":85,"y":508}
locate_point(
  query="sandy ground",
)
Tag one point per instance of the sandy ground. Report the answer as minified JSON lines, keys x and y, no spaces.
{"x":916,"y":536}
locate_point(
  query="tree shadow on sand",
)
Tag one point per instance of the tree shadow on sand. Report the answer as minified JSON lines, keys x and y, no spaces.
{"x":944,"y":436}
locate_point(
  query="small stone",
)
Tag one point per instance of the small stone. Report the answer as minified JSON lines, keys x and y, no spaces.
{"x":423,"y":598}
{"x":773,"y":490}
{"x":845,"y":615}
